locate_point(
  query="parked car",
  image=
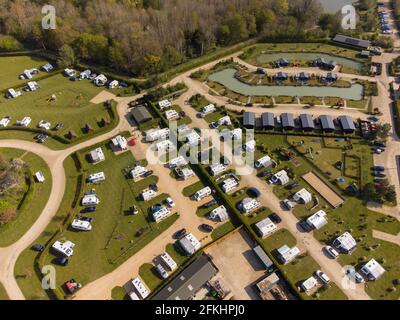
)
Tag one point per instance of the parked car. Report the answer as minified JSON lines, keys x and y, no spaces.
{"x":210,"y":203}
{"x":379,"y":144}
{"x":170,"y":202}
{"x":332,"y":252}
{"x":62,"y":261}
{"x":180,"y":233}
{"x":265,"y":173}
{"x":288,"y":204}
{"x":38,"y":247}
{"x":324,"y":278}
{"x":378,"y":168}
{"x":58,"y":126}
{"x":206,"y":227}
{"x":153,"y":186}
{"x":88,"y":219}
{"x":275,"y":218}
{"x":147,"y":173}
{"x":373,"y":118}
{"x":134,"y":210}
{"x":90,"y":209}
{"x":355,"y":275}
{"x":378,"y":174}
{"x":292,"y":185}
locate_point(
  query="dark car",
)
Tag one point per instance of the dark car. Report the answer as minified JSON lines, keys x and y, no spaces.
{"x":378,"y":174}
{"x":72,"y":79}
{"x":89,"y":209}
{"x":379,"y":144}
{"x":210,"y":203}
{"x":265,"y":173}
{"x":292,"y":185}
{"x":378,"y":168}
{"x":88,"y":219}
{"x":147,"y":173}
{"x":41,"y":138}
{"x":180,"y":233}
{"x":206,"y":227}
{"x":255,"y":192}
{"x":38,"y":247}
{"x":275,"y":218}
{"x":62,"y":261}
{"x":153,"y":186}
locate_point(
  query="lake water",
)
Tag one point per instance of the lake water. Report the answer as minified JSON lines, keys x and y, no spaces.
{"x":333,"y":6}
{"x":227,"y":78}
{"x":308,"y":56}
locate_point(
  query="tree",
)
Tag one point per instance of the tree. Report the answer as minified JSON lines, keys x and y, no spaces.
{"x":370,"y":194}
{"x":383,"y":130}
{"x":66,"y":56}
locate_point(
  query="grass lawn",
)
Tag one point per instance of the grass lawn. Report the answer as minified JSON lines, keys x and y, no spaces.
{"x":36,"y":196}
{"x":149,"y":275}
{"x":222,"y":230}
{"x":72,"y":108}
{"x":12,"y":67}
{"x":119,"y":293}
{"x":3,"y":294}
{"x":192,"y":189}
{"x":116,"y":235}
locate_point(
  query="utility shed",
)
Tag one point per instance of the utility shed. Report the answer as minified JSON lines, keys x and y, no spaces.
{"x":189,"y":281}
{"x":140,"y":114}
{"x":307,"y":122}
{"x":260,"y":253}
{"x":249,"y":120}
{"x":347,"y":124}
{"x":287,"y":121}
{"x":267,"y":120}
{"x":327,"y":123}
{"x":353,"y":42}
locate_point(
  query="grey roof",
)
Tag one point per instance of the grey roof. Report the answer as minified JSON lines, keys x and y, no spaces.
{"x":249,"y":119}
{"x":263,"y":257}
{"x":352,"y":41}
{"x":346,"y":122}
{"x":141,"y":114}
{"x":287,"y":120}
{"x":327,"y":122}
{"x":306,"y":121}
{"x":267,"y":119}
{"x":190,"y":280}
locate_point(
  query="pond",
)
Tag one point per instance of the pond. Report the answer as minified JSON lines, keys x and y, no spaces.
{"x":227,"y":78}
{"x":333,"y":6}
{"x":308,"y":56}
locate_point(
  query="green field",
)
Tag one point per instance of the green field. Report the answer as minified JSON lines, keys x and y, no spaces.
{"x":116,"y":235}
{"x":30,"y":206}
{"x":12,"y":67}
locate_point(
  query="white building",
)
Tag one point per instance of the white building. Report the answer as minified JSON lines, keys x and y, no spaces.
{"x":345,"y":243}
{"x":164,"y":145}
{"x":226,"y":120}
{"x":138,"y":171}
{"x":90,"y":200}
{"x":24,"y":122}
{"x":113,"y":84}
{"x":177,"y":162}
{"x":31,"y":86}
{"x":248,"y":205}
{"x":120,"y":142}
{"x":81,"y":225}
{"x":263,"y":162}
{"x":168,"y":261}
{"x":281,"y":177}
{"x":317,"y":220}
{"x":39,"y":177}
{"x":148,"y":194}
{"x":302,"y":196}
{"x":97,"y":155}
{"x":140,"y":288}
{"x":11,"y":93}
{"x":69,"y":72}
{"x":171,"y":114}
{"x":220,"y":213}
{"x":373,"y":270}
{"x":193,"y":139}
{"x":5,"y":122}
{"x":48,"y":67}
{"x":157,"y":134}
{"x":229,"y":185}
{"x":190,"y":244}
{"x":164,"y":104}
{"x":65,"y":248}
{"x":309,"y":284}
{"x":100,"y":80}
{"x":85,"y":74}
{"x":287,"y":254}
{"x":96,"y":177}
{"x":202,"y":193}
{"x":43,"y":124}
{"x":185,"y":173}
{"x":265,"y":227}
{"x":161,"y":214}
{"x":217,"y":169}
{"x":207,"y":110}
{"x":250,"y":146}
{"x":236,"y":134}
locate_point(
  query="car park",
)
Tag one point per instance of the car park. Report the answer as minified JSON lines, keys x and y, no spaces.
{"x":332,"y":252}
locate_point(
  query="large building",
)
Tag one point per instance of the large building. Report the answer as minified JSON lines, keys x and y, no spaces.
{"x":327,"y":123}
{"x":307,"y":122}
{"x":140,"y":114}
{"x":249,"y":120}
{"x":287,"y":121}
{"x":185,"y":285}
{"x":347,"y":124}
{"x":352,"y":42}
{"x":267,"y":120}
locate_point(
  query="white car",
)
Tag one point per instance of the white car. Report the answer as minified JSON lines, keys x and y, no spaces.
{"x":352,"y":274}
{"x":321,"y":275}
{"x":332,"y":252}
{"x":170,"y":202}
{"x":44,"y":125}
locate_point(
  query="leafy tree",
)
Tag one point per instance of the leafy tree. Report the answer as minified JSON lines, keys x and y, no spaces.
{"x":383,"y":130}
{"x":66,"y":56}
